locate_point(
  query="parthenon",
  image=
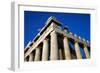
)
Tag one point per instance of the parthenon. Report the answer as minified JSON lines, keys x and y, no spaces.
{"x":54,"y":42}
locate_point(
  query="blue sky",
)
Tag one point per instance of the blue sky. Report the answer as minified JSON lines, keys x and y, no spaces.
{"x":77,"y":23}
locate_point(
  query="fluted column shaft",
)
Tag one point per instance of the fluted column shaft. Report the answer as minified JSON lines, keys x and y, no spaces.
{"x":77,"y":49}
{"x":54,"y":46}
{"x":66,"y":48}
{"x":45,"y":50}
{"x":86,"y":52}
{"x":37,"y":54}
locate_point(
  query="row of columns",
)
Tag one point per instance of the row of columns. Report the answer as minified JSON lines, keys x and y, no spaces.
{"x":55,"y":52}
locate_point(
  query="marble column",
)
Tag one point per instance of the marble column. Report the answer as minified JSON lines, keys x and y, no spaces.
{"x":37,"y":54}
{"x":45,"y":50}
{"x":66,"y":48}
{"x":86,"y":52}
{"x":60,"y":54}
{"x":77,"y":49}
{"x":31,"y":57}
{"x":54,"y":46}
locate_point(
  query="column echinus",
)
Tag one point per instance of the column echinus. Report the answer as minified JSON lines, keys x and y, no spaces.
{"x":45,"y":50}
{"x":86,"y":51}
{"x":37,"y":54}
{"x":77,"y":50}
{"x":31,"y":57}
{"x":54,"y":46}
{"x":66,"y":48}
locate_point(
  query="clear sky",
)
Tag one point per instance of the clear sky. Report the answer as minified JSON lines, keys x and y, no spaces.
{"x":76,"y":22}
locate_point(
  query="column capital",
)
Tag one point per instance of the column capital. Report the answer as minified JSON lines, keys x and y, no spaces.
{"x":46,"y":39}
{"x":53,"y":32}
{"x":64,"y":36}
{"x":84,"y":45}
{"x":75,"y":41}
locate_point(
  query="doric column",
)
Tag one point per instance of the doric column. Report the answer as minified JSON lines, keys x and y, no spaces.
{"x":37,"y":54}
{"x":54,"y":46}
{"x":31,"y":57}
{"x":66,"y":48}
{"x":60,"y":54}
{"x":86,"y":52}
{"x":77,"y":49}
{"x":45,"y":50}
